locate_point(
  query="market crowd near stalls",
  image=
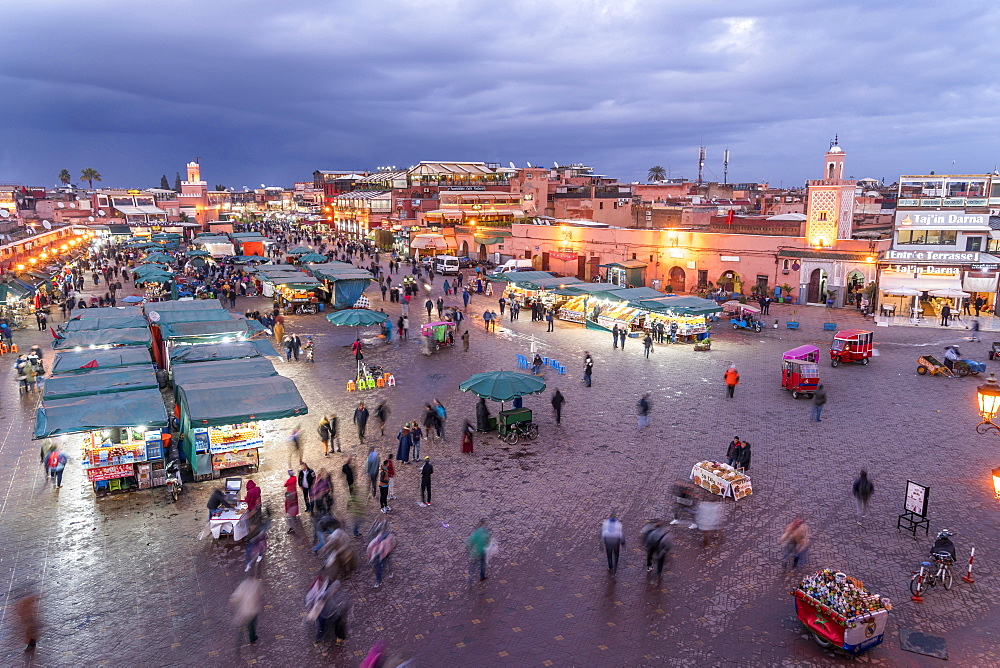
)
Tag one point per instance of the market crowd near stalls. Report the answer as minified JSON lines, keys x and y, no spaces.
{"x":160,"y":383}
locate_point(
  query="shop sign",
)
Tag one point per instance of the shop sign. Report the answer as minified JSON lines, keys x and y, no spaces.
{"x":230,"y":460}
{"x":931,"y":256}
{"x":923,"y":270}
{"x":729,"y":258}
{"x":466,"y":188}
{"x":981,"y":266}
{"x":938,"y":219}
{"x":110,"y":472}
{"x":565,"y":257}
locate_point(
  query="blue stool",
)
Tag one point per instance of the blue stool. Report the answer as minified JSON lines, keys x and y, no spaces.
{"x":562,"y":369}
{"x":554,"y":363}
{"x":545,"y":361}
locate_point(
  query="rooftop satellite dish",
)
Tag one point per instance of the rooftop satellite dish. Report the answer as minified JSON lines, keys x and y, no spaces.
{"x":90,"y":218}
{"x":72,"y":205}
{"x":262,"y":185}
{"x":154,"y":316}
{"x":101,"y":212}
{"x":4,"y":213}
{"x":528,"y":164}
{"x":46,"y":224}
{"x":556,"y":165}
{"x":512,"y":165}
{"x":78,"y":198}
{"x":60,"y":205}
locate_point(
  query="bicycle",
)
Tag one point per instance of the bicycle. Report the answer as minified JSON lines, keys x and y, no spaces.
{"x":519,"y":430}
{"x":923,"y":578}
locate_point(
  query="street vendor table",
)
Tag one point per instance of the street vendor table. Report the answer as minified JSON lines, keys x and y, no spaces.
{"x":721,"y":479}
{"x":227,"y":521}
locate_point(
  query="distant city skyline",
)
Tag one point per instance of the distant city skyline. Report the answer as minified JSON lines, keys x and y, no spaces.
{"x":267,"y":94}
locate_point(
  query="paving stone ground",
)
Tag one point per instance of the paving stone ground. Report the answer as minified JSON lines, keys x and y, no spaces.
{"x":126,"y":581}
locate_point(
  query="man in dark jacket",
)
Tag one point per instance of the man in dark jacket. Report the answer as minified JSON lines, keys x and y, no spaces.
{"x":557,"y":403}
{"x":819,"y":400}
{"x":426,"y":470}
{"x":862,"y":490}
{"x":361,"y":420}
{"x":307,"y":477}
{"x":217,"y":499}
{"x":348,"y":470}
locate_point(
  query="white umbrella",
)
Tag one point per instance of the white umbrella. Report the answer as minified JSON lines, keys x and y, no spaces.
{"x":949,"y":292}
{"x":902,"y":292}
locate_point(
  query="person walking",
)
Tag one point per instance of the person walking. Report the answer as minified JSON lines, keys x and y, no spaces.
{"x":426,"y":471}
{"x":465,"y":340}
{"x":980,"y":303}
{"x":557,"y":403}
{"x":56,"y":464}
{"x":390,"y":466}
{"x":819,"y":400}
{"x":372,"y":470}
{"x":324,"y":434}
{"x":440,"y":307}
{"x":306,"y":478}
{"x":442,"y":421}
{"x":295,"y":445}
{"x":795,"y":541}
{"x":614,"y":336}
{"x":551,"y":320}
{"x":429,"y":306}
{"x":383,"y":487}
{"x":732,"y":378}
{"x":945,"y":315}
{"x":503,"y":303}
{"x":613,"y":538}
{"x":644,"y":407}
{"x":361,"y":420}
{"x":656,"y":536}
{"x":467,"y":431}
{"x":431,"y":420}
{"x":291,"y":500}
{"x":647,"y":345}
{"x":333,"y":613}
{"x":466,"y":296}
{"x":247,"y":602}
{"x":405,"y":443}
{"x":347,"y":470}
{"x":382,"y":414}
{"x":479,"y":544}
{"x":379,"y":550}
{"x":588,"y":368}
{"x":416,"y":436}
{"x":862,"y":490}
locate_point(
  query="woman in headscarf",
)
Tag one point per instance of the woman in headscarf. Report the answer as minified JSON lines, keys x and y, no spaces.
{"x":291,"y":499}
{"x":405,"y":441}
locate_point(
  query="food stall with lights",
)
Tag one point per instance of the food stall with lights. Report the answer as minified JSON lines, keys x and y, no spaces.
{"x":345,"y":282}
{"x":122,"y":447}
{"x":16,"y":302}
{"x":690,"y":313}
{"x":220,"y":419}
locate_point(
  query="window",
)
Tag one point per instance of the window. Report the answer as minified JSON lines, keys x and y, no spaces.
{"x":703,"y":278}
{"x":973,"y":243}
{"x":927,"y":237}
{"x":822,"y":216}
{"x":601,"y":205}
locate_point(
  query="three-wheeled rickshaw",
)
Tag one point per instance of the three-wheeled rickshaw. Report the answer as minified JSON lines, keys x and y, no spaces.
{"x":437,"y":335}
{"x":851,"y":345}
{"x":743,"y":316}
{"x":800,"y":371}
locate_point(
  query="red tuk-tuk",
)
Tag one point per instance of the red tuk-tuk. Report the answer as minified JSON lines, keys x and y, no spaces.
{"x":851,"y":345}
{"x":800,"y":371}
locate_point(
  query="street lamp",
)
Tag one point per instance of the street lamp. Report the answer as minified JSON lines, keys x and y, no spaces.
{"x":996,"y":483}
{"x":989,"y":405}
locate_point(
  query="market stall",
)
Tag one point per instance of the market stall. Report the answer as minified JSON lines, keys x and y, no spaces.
{"x":221,"y":417}
{"x":16,"y":303}
{"x":346,"y":282}
{"x":721,"y":479}
{"x":839,"y":612}
{"x":83,"y":361}
{"x":103,"y":338}
{"x":123,"y":443}
{"x":229,"y":350}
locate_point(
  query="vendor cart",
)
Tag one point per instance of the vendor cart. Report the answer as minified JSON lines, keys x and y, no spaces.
{"x":721,"y":479}
{"x":437,"y":335}
{"x":840,"y":613}
{"x":800,"y":371}
{"x":851,"y":345}
{"x":230,"y":521}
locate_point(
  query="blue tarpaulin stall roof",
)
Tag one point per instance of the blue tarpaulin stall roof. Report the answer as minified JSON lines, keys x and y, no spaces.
{"x":105,"y":312}
{"x":234,"y":402}
{"x":547,"y":283}
{"x":513,"y":276}
{"x":86,"y":360}
{"x":210,"y":328}
{"x":301,"y":279}
{"x":599,"y":290}
{"x":184,"y":305}
{"x":265,"y":268}
{"x":201,"y":315}
{"x":680,"y":305}
{"x":103,"y":411}
{"x":98,"y":381}
{"x":332,"y":271}
{"x":222,"y":371}
{"x":131,"y":336}
{"x":132,"y":320}
{"x":221,"y":351}
{"x":634,"y":294}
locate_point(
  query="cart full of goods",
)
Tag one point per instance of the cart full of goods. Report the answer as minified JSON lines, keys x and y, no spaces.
{"x":839,"y":612}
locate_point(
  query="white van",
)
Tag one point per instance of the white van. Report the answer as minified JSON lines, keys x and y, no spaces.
{"x":515,"y":265}
{"x":446,"y":264}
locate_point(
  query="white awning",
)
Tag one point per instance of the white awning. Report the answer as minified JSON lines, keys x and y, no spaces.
{"x":922,"y":283}
{"x":432,"y":241}
{"x":980,"y":284}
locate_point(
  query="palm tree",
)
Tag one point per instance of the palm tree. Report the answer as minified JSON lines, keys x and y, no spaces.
{"x":64,"y":177}
{"x":90,"y":175}
{"x":656,"y":173}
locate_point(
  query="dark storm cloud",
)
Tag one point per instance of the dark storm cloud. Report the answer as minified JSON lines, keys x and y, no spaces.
{"x":269,"y":92}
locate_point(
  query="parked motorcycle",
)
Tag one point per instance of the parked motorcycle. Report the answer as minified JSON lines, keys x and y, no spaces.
{"x":174,"y":483}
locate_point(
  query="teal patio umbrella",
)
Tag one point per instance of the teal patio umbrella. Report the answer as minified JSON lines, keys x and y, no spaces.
{"x":158,"y":258}
{"x":357,"y":317}
{"x":154,"y":278}
{"x":309,"y":258}
{"x":300,"y":250}
{"x":198,"y":253}
{"x":503,"y":385}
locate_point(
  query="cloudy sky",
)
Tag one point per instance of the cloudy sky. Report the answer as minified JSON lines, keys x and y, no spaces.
{"x":266,"y":92}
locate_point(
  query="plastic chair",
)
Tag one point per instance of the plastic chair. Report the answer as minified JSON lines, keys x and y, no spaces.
{"x":4,"y":349}
{"x":380,"y":382}
{"x":386,"y":376}
{"x":371,"y":383}
{"x":391,"y":382}
{"x":351,"y":387}
{"x":14,"y":348}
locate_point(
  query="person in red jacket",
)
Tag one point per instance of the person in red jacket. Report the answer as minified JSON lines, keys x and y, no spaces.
{"x":252,"y":497}
{"x":732,"y":378}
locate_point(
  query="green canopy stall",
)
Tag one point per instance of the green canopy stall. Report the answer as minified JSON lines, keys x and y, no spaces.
{"x":99,"y":381}
{"x":109,"y":358}
{"x":128,"y":336}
